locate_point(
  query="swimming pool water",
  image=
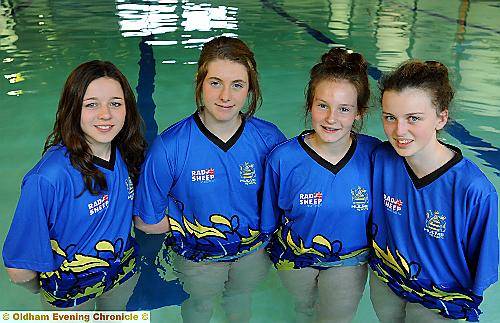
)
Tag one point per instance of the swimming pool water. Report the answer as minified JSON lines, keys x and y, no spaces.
{"x":156,"y":44}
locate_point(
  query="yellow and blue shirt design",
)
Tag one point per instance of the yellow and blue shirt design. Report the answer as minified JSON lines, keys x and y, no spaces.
{"x":320,"y":211}
{"x":435,"y":238}
{"x":79,"y":243}
{"x":209,"y":189}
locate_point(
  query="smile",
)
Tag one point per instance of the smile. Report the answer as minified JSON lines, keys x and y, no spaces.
{"x":104,"y":127}
{"x":329,"y":129}
{"x":403,"y":142}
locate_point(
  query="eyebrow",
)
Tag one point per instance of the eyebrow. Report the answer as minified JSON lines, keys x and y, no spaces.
{"x":95,"y":98}
{"x":342,"y":104}
{"x":407,"y":114}
{"x":218,"y":79}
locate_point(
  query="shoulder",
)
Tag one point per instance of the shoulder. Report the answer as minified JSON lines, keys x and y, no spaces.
{"x":53,"y":167}
{"x":385,"y":150}
{"x":178,"y":134}
{"x":284,"y":149}
{"x":265,"y":128}
{"x":368,"y":142}
{"x":176,"y":130}
{"x":468,"y":175}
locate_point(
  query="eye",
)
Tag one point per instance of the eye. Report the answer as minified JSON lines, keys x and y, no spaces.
{"x":90,"y":105}
{"x":344,"y":109}
{"x":238,"y":85}
{"x":413,"y":119}
{"x":322,"y":106}
{"x":389,"y":118}
{"x":214,"y":83}
{"x":115,"y":104}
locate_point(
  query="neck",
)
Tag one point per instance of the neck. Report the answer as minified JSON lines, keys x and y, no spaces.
{"x":333,"y":152}
{"x":102,"y":151}
{"x":424,"y":165}
{"x":224,"y":130}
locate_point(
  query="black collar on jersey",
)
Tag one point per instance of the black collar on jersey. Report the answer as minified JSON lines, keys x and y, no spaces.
{"x":225,"y":146}
{"x":104,"y":163}
{"x":429,"y":178}
{"x":323,"y":162}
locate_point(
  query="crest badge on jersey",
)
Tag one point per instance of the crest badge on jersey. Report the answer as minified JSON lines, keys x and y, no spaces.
{"x":435,"y":224}
{"x":247,"y":174}
{"x":359,"y":199}
{"x":130,"y":188}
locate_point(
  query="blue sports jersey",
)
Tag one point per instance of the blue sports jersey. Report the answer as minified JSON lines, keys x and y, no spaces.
{"x":321,"y":210}
{"x":79,"y":243}
{"x":210,"y":189}
{"x":435,"y":238}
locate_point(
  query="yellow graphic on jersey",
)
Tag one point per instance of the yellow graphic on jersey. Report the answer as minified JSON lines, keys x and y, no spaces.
{"x":401,"y":266}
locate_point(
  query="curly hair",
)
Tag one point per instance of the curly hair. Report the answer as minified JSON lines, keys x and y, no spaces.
{"x":67,"y":130}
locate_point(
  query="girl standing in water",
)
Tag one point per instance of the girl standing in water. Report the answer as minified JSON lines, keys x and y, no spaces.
{"x":435,"y":213}
{"x":317,"y":192}
{"x":70,"y":236}
{"x":202,"y":183}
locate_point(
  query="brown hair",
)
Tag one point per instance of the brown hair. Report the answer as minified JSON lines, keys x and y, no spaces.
{"x":67,"y":129}
{"x":430,"y":76}
{"x":236,"y":51}
{"x":336,"y":65}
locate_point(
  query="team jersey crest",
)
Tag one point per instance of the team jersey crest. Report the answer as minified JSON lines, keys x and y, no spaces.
{"x":247,"y":174}
{"x":359,"y":199}
{"x":203,"y":175}
{"x":435,"y":224}
{"x":130,"y":188}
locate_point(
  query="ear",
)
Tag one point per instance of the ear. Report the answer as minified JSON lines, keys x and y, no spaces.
{"x":442,"y":119}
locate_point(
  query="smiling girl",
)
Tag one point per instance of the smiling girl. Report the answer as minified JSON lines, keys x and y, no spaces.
{"x":70,"y":235}
{"x":202,"y":183}
{"x":434,"y":213}
{"x":317,"y":192}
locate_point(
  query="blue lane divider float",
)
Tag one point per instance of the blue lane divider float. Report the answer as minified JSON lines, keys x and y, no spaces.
{"x":485,"y":151}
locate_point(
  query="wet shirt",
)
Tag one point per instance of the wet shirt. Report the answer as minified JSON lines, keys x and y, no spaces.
{"x":79,"y":243}
{"x":320,"y":210}
{"x":435,"y":238}
{"x":210,"y":189}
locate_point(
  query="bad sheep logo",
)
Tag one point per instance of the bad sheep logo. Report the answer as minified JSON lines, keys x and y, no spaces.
{"x":311,"y":199}
{"x":203,"y":175}
{"x":98,"y":205}
{"x":393,"y":204}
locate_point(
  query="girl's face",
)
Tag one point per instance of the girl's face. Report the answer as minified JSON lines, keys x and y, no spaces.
{"x":225,"y":90}
{"x":103,"y":113}
{"x":333,"y":111}
{"x":411,"y":122}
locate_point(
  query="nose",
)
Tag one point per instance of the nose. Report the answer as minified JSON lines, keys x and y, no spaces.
{"x":225,"y":94}
{"x":401,"y":128}
{"x":104,"y":112}
{"x":331,"y":116}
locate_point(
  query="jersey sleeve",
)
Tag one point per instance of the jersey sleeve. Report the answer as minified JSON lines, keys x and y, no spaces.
{"x":482,"y":249}
{"x":154,"y":185}
{"x":27,"y":245}
{"x":270,"y":209}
